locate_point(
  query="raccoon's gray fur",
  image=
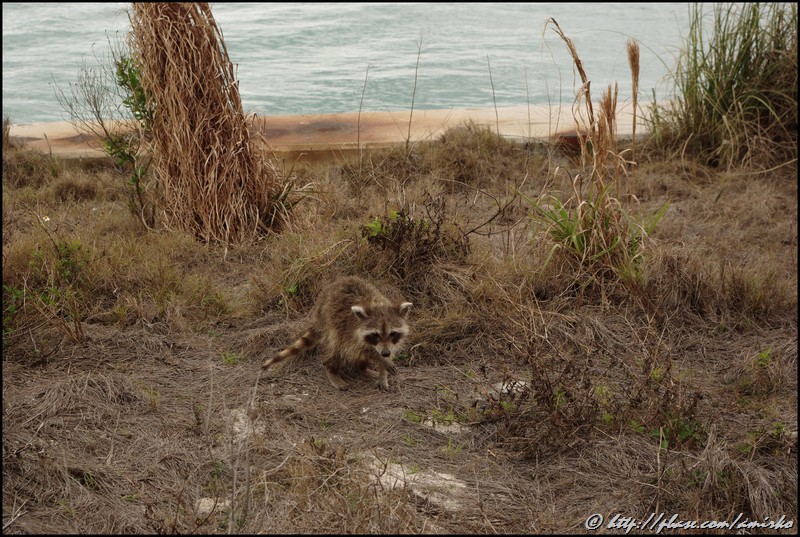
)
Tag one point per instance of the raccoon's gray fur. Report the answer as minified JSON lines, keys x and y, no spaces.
{"x":357,"y":328}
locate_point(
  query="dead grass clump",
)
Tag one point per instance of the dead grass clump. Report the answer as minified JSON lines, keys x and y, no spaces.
{"x":482,"y":160}
{"x":756,"y":373}
{"x":322,"y":485}
{"x":71,"y":476}
{"x":25,"y":168}
{"x":722,"y":294}
{"x":74,"y":189}
{"x":455,"y":317}
{"x":298,"y":266}
{"x":722,"y":482}
{"x":216,"y":184}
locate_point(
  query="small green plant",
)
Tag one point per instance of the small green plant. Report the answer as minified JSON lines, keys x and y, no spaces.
{"x":446,"y":393}
{"x":447,"y":417}
{"x":559,"y":397}
{"x":13,"y":302}
{"x":373,"y":229}
{"x":70,"y":261}
{"x":636,"y":426}
{"x":232,"y":358}
{"x":219,"y":470}
{"x":752,"y":445}
{"x":763,"y":358}
{"x":67,"y":508}
{"x":214,"y":303}
{"x":697,"y":478}
{"x":451,"y":450}
{"x":778,"y":430}
{"x":153,"y":398}
{"x":291,"y":292}
{"x":413,"y":417}
{"x":657,"y":374}
{"x":772,"y":442}
{"x":508,"y":407}
{"x":675,"y":433}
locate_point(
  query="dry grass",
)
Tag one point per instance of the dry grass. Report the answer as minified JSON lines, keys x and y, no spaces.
{"x":674,"y":392}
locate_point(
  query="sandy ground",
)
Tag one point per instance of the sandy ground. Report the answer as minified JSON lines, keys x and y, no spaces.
{"x":332,"y":132}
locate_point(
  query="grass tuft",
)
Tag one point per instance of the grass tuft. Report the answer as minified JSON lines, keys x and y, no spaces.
{"x":735,"y":86}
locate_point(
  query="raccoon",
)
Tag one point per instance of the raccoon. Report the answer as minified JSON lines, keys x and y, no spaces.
{"x":357,"y":327}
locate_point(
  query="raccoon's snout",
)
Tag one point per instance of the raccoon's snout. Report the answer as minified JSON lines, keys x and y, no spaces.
{"x":385,"y":353}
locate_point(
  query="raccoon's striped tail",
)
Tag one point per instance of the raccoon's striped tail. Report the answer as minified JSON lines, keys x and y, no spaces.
{"x":306,"y":341}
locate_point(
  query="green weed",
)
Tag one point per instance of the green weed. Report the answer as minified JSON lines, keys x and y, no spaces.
{"x":451,"y":450}
{"x":413,"y":417}
{"x":232,"y":358}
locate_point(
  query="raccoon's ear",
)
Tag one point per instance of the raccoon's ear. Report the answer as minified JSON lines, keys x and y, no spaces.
{"x":404,"y":308}
{"x":359,"y":311}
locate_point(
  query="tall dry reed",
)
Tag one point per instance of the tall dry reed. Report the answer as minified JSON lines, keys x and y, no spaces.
{"x":216,"y":185}
{"x":634,"y":64}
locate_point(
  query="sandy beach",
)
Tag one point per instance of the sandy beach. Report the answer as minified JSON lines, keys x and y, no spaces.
{"x":326,"y":133}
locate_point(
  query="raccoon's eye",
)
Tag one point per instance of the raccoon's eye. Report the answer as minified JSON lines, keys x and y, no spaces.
{"x":395,"y":336}
{"x":372,"y":338}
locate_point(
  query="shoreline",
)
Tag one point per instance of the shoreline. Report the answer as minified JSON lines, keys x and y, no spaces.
{"x":313,"y":135}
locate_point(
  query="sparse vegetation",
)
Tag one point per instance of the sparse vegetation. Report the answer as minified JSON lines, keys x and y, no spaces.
{"x":108,"y":101}
{"x":581,"y":343}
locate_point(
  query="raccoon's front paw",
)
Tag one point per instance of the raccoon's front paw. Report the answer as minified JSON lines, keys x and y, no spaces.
{"x":384,"y":385}
{"x":337,"y":381}
{"x":388,"y":364}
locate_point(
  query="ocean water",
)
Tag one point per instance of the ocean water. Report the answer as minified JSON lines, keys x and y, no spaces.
{"x":296,"y":58}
